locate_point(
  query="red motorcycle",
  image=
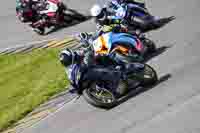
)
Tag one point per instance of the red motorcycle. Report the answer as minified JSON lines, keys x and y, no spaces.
{"x":52,"y":16}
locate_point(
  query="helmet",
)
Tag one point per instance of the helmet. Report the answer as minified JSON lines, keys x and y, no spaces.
{"x":66,"y":57}
{"x":116,"y":2}
{"x":95,"y":10}
{"x":84,"y":35}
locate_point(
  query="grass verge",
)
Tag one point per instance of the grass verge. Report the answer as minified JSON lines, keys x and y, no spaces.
{"x":27,"y":80}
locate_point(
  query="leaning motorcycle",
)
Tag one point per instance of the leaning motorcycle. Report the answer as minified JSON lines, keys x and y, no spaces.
{"x":105,"y":86}
{"x":126,"y":46}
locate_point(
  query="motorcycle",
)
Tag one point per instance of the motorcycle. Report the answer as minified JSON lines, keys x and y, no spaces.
{"x":53,"y":16}
{"x":125,"y":46}
{"x":137,"y":17}
{"x":105,"y":86}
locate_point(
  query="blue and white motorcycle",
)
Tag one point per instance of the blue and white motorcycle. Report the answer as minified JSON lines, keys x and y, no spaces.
{"x":105,"y":86}
{"x":139,"y":18}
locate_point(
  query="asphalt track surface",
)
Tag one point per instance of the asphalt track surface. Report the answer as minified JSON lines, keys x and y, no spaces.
{"x":172,"y":106}
{"x":13,"y":32}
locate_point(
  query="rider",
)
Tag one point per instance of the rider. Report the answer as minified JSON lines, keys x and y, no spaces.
{"x":48,"y":7}
{"x":106,"y":22}
{"x":105,"y":16}
{"x":135,"y":7}
{"x":51,"y":7}
{"x":89,"y":60}
{"x":74,"y":63}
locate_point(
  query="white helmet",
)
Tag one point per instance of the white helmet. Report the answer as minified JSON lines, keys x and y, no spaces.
{"x":95,"y":10}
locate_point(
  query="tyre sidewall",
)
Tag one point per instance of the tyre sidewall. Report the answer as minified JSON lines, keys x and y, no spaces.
{"x":95,"y":102}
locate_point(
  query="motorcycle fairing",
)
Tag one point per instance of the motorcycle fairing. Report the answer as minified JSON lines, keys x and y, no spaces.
{"x":126,"y":39}
{"x":105,"y":43}
{"x":52,"y":7}
{"x":51,"y":14}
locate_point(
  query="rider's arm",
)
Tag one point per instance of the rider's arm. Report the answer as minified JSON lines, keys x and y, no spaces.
{"x":113,"y":4}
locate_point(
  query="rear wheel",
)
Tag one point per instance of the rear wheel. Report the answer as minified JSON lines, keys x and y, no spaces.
{"x":99,"y":97}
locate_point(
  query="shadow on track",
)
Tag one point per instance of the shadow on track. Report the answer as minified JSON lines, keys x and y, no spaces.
{"x":140,"y":90}
{"x":158,"y":52}
{"x":72,"y":17}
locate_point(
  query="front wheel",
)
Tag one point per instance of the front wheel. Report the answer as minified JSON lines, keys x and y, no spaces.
{"x":149,"y":76}
{"x":99,"y":97}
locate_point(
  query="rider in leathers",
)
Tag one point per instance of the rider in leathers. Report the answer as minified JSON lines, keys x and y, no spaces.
{"x":47,"y":7}
{"x":144,"y":23}
{"x":87,"y":62}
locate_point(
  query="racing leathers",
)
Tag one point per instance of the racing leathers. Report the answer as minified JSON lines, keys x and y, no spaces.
{"x":96,"y":68}
{"x":134,"y":14}
{"x":50,"y":15}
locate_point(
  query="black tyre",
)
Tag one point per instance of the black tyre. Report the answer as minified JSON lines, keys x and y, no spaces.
{"x":95,"y":97}
{"x":149,"y":76}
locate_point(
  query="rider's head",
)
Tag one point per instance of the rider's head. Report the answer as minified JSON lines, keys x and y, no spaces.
{"x":97,"y":11}
{"x":66,"y":57}
{"x":116,"y":2}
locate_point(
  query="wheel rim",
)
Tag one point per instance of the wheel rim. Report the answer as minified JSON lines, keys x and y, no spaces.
{"x":102,"y":95}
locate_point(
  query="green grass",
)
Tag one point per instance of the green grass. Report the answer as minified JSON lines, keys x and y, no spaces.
{"x":27,"y":80}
